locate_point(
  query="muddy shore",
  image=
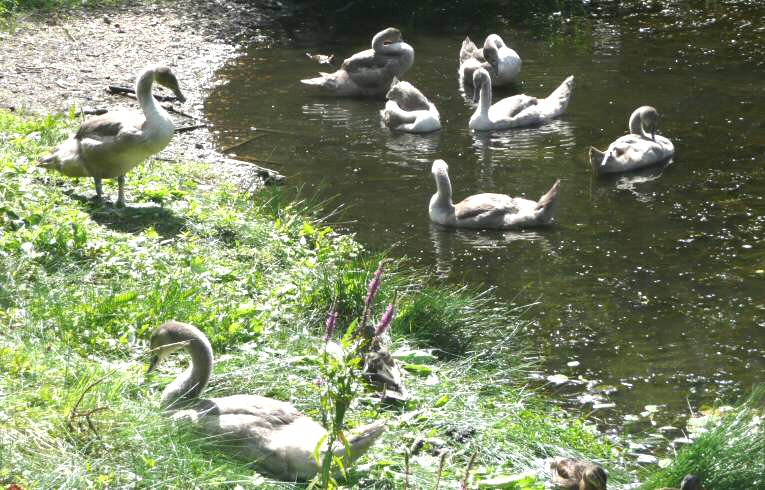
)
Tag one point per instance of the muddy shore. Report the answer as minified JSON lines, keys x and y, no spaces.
{"x":59,"y":61}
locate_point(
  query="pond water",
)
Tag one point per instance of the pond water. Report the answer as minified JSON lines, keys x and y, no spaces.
{"x":651,"y":287}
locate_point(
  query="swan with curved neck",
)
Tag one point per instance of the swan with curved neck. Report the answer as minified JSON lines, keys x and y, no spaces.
{"x":641,"y":148}
{"x":491,"y":211}
{"x":502,"y":62}
{"x":518,"y":110}
{"x":270,"y":433}
{"x":108,"y":146}
{"x":369,"y":72}
{"x":409,"y":110}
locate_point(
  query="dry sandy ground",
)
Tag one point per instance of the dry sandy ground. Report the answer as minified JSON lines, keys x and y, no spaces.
{"x":58,"y":61}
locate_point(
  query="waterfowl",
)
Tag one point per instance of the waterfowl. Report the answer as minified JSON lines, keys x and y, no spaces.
{"x":690,"y":482}
{"x":575,"y":474}
{"x":108,"y":146}
{"x":322,"y":59}
{"x":502,"y":62}
{"x":496,"y":211}
{"x":272,"y":434}
{"x":518,"y":110}
{"x":641,"y":148}
{"x":370,"y":72}
{"x":409,"y":110}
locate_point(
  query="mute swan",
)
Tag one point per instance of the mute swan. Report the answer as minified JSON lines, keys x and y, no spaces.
{"x":637,"y":149}
{"x":270,"y":433}
{"x":108,"y":146}
{"x":371,"y":71}
{"x":502,"y":62}
{"x":518,"y":110}
{"x":408,"y":110}
{"x":574,"y":474}
{"x":497,"y":211}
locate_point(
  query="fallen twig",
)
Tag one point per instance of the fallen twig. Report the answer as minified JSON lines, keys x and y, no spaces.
{"x":75,"y":413}
{"x":184,"y":129}
{"x":227,"y":149}
{"x":276,"y":131}
{"x":464,"y":482}
{"x":269,"y":176}
{"x":167,"y":107}
{"x":440,"y":469}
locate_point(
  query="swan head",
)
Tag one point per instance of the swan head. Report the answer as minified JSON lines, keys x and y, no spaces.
{"x":491,"y":54}
{"x":165,"y":77}
{"x":170,"y":337}
{"x":691,"y":482}
{"x":439,"y":168}
{"x":389,"y":35}
{"x":649,"y":117}
{"x":480,"y":77}
{"x":494,"y":41}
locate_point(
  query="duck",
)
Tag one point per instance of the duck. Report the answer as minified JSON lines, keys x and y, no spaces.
{"x":502,"y":62}
{"x":488,"y":211}
{"x":369,"y":72}
{"x":690,"y":482}
{"x":108,"y":146}
{"x":409,"y":110}
{"x":575,"y":474}
{"x":322,"y":59}
{"x":518,"y":110}
{"x":641,"y":148}
{"x":272,"y":434}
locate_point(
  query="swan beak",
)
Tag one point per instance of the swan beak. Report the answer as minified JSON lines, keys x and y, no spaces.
{"x":153,"y":364}
{"x":179,"y":96}
{"x":476,"y":93}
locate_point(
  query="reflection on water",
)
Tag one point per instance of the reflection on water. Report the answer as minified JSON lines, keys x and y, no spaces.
{"x":653,"y":281}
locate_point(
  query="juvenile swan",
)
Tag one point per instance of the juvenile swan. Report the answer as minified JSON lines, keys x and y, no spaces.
{"x":637,"y":149}
{"x":408,"y":110}
{"x":518,"y":110}
{"x":271,"y":434}
{"x":502,"y":62}
{"x":108,"y":146}
{"x":370,"y":72}
{"x":497,"y":211}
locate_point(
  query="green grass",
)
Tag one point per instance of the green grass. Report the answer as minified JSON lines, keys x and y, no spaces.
{"x":728,"y":455}
{"x":82,"y":285}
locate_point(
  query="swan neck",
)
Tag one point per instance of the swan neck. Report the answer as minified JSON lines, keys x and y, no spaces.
{"x":636,"y":124}
{"x":192,"y":382}
{"x":443,"y":191}
{"x":484,"y":101}
{"x":378,"y":42}
{"x":151,"y":109}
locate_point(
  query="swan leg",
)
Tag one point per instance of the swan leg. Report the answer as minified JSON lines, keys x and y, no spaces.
{"x":121,"y":192}
{"x":99,"y":188}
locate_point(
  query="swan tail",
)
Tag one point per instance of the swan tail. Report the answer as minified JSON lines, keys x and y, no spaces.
{"x":556,"y":103}
{"x":596,"y":158}
{"x":360,"y":440}
{"x":548,"y":203}
{"x":468,"y":49}
{"x":323,"y":80}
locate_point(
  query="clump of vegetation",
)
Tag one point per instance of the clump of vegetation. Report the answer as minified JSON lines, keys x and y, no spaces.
{"x":83,"y":284}
{"x":728,"y":455}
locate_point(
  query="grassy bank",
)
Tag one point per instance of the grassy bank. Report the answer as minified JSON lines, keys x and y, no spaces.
{"x":82,"y":285}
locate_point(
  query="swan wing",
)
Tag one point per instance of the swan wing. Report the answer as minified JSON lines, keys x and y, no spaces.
{"x":632,"y":151}
{"x":484,"y":207}
{"x":556,"y":103}
{"x":110,"y":125}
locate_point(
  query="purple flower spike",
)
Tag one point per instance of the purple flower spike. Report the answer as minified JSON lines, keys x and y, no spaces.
{"x":329,"y":325}
{"x":374,"y":284}
{"x":384,"y":321}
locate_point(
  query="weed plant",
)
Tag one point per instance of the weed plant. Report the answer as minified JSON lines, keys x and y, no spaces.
{"x":83,"y":284}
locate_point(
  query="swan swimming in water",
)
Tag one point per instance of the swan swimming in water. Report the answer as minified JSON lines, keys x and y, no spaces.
{"x":369,"y":72}
{"x":502,"y":62}
{"x":270,"y":433}
{"x":408,"y":110}
{"x":638,"y":149}
{"x":108,"y":146}
{"x":495,"y":211}
{"x":518,"y":110}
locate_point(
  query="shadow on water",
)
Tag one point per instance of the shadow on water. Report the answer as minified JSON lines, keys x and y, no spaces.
{"x":651,"y":284}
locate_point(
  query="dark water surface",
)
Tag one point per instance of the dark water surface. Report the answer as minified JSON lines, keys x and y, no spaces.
{"x":654,"y":283}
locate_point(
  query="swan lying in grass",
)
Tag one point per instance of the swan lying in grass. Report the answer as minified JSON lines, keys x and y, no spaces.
{"x":408,"y":110}
{"x":575,"y":474}
{"x":370,"y":72}
{"x":518,"y":110}
{"x":502,"y":62}
{"x":496,"y":211}
{"x":270,"y":433}
{"x":108,"y":146}
{"x":637,"y":149}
